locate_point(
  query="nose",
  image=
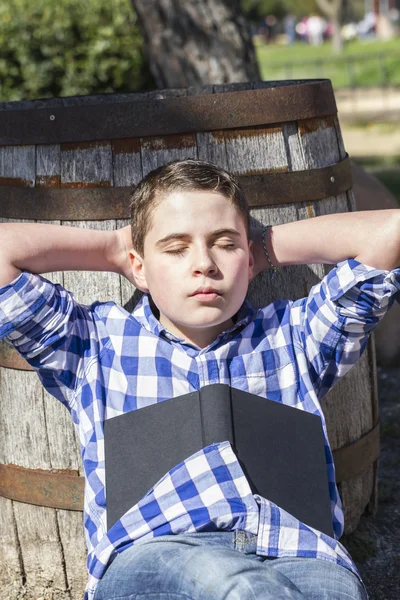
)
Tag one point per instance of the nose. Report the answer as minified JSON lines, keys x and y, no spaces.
{"x":203,"y":261}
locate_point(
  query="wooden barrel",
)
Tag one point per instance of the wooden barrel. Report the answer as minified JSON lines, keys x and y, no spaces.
{"x":72,"y":161}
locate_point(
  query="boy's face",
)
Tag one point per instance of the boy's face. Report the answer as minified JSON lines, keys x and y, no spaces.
{"x":197,"y":240}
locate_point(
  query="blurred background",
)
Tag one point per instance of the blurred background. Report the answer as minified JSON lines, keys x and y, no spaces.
{"x":53,"y":48}
{"x":59,"y":48}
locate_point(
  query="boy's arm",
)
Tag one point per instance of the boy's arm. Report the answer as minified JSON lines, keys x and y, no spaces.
{"x":370,"y":237}
{"x":41,"y":248}
{"x":42,"y":320}
{"x":332,"y":325}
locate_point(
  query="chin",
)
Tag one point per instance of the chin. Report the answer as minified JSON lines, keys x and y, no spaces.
{"x":204,"y":323}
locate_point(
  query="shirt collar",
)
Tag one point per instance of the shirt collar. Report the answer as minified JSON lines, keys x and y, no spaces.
{"x":143,"y":313}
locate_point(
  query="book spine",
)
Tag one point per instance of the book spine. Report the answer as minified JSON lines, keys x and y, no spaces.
{"x":216,"y":414}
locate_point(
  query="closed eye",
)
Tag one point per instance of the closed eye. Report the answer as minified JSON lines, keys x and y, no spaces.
{"x":179,"y":251}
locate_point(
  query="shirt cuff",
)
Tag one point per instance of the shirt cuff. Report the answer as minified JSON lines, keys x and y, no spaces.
{"x":21,"y":299}
{"x":382,"y":284}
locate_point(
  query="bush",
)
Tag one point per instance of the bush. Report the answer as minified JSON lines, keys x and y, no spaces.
{"x":51,"y":48}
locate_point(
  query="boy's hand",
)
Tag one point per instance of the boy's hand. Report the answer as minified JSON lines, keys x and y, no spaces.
{"x":124,"y":246}
{"x":260,"y":263}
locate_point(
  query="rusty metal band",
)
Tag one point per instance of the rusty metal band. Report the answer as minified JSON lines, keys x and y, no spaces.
{"x":54,"y":489}
{"x":66,"y":491}
{"x":183,"y":114}
{"x":298,"y":186}
{"x":95,"y":204}
{"x":355,"y":458}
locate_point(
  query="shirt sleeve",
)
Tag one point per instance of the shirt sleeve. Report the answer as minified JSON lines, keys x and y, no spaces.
{"x":332,"y":325}
{"x":49,"y":329}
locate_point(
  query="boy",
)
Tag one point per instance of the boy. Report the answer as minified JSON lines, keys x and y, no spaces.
{"x":199,"y":532}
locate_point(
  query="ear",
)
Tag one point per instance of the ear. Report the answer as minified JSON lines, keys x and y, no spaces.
{"x":138,"y":271}
{"x":251,"y":261}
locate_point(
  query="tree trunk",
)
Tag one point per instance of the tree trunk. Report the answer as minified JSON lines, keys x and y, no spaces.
{"x":196,"y":42}
{"x":337,"y":39}
{"x":332,"y":9}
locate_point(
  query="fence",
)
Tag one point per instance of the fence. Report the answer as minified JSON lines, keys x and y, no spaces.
{"x":351,"y":71}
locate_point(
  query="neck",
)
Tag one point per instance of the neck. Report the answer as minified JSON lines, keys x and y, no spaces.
{"x":200,"y":337}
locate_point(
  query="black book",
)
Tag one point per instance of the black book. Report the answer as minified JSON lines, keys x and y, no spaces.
{"x":280,"y":449}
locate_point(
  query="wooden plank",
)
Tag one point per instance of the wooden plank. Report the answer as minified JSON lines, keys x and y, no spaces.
{"x":86,"y":164}
{"x":212,"y":148}
{"x":71,"y":531}
{"x":160,"y":150}
{"x":41,"y":550}
{"x":127,"y":163}
{"x":23,"y":442}
{"x":17,"y":165}
{"x":23,"y":424}
{"x":362,"y":488}
{"x":48,"y":165}
{"x":11,"y":571}
{"x":256,"y":150}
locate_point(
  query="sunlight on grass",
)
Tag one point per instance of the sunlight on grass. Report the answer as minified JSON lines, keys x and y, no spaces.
{"x":361,"y":63}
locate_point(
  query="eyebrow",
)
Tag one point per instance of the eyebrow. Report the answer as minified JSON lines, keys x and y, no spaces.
{"x":187,"y":236}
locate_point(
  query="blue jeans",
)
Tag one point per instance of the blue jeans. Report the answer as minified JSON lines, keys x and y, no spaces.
{"x":221,"y":565}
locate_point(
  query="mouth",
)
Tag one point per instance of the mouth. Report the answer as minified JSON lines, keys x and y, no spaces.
{"x":206,"y":294}
{"x":206,"y":290}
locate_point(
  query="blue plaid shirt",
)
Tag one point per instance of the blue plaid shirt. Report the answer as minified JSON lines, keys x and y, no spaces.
{"x":101,"y":361}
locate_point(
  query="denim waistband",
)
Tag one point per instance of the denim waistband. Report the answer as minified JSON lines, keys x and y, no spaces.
{"x":245,"y":542}
{"x":240,"y":540}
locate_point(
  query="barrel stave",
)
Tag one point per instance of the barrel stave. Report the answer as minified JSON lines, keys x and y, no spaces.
{"x":127,"y":162}
{"x":253,"y":150}
{"x":11,"y":571}
{"x":25,"y":443}
{"x":48,"y":166}
{"x":18,"y":165}
{"x":156,"y":151}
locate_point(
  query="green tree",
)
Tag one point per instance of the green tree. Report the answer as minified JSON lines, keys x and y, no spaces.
{"x":256,"y":10}
{"x":68,"y":48}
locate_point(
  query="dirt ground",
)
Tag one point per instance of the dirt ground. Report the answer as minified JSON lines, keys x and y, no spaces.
{"x":375,"y":545}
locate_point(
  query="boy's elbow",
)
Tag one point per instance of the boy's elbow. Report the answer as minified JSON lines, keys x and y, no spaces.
{"x":396,"y":235}
{"x":8,"y":272}
{"x":383,"y":248}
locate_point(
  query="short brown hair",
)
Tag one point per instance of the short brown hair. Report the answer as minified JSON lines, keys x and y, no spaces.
{"x":190,"y":175}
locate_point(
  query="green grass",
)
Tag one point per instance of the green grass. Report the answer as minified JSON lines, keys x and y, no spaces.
{"x":302,"y":61}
